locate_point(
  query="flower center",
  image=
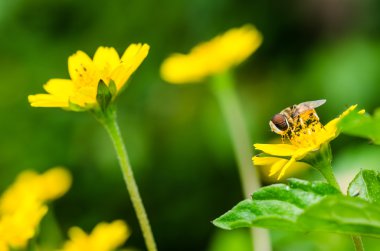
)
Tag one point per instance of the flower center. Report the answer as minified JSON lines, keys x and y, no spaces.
{"x":306,"y":129}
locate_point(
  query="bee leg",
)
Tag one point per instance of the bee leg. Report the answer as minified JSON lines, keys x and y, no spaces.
{"x":290,"y":133}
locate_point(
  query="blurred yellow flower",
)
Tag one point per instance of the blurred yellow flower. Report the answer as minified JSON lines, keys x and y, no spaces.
{"x":309,"y":140}
{"x":22,"y":205}
{"x":85,"y":74}
{"x":104,"y":237}
{"x":212,"y":57}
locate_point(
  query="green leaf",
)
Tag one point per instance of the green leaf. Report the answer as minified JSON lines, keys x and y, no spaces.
{"x":276,"y":206}
{"x":366,"y":185}
{"x":305,"y":206}
{"x":103,"y":96}
{"x":342,"y":214}
{"x":268,"y":214}
{"x":362,"y":125}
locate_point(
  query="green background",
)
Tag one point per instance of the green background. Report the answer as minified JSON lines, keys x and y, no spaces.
{"x":177,"y":140}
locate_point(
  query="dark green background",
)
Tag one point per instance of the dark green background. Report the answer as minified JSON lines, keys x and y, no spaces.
{"x":175,"y":135}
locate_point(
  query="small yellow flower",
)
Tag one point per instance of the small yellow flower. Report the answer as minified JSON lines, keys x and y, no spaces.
{"x":310,"y":140}
{"x":104,"y":237}
{"x":212,"y":57}
{"x":22,"y":205}
{"x":85,"y":74}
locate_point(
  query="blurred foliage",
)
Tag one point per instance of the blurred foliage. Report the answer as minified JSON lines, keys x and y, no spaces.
{"x":177,"y":140}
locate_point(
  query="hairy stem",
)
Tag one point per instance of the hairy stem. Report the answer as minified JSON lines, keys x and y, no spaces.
{"x":110,"y":123}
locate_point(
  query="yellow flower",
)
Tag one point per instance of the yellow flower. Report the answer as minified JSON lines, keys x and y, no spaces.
{"x":22,"y":204}
{"x":18,"y":227}
{"x":85,"y":74}
{"x":212,"y":57}
{"x":104,"y":237}
{"x":308,"y":141}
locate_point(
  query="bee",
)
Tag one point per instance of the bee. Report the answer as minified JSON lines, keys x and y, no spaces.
{"x":292,"y":119}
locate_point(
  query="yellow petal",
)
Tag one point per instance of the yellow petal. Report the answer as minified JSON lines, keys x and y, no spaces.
{"x":348,"y":110}
{"x":285,"y":167}
{"x":60,"y":91}
{"x":3,"y":245}
{"x":22,"y":205}
{"x":262,"y":161}
{"x":60,"y":87}
{"x":55,"y":182}
{"x":18,"y":227}
{"x":180,"y":69}
{"x":277,"y":166}
{"x":82,"y":70}
{"x":235,"y":46}
{"x":331,"y":128}
{"x":47,"y":100}
{"x":104,"y":237}
{"x":212,"y":57}
{"x":135,"y":53}
{"x":277,"y":149}
{"x":84,"y":96}
{"x":108,"y":236}
{"x":76,"y":233}
{"x":106,"y":59}
{"x":132,"y":58}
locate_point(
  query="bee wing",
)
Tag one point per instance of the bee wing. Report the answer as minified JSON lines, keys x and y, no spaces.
{"x":308,"y":105}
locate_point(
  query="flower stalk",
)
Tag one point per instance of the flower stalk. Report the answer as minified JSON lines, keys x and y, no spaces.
{"x":330,"y":177}
{"x":321,"y":160}
{"x":222,"y":85}
{"x":109,"y":121}
{"x":358,"y":243}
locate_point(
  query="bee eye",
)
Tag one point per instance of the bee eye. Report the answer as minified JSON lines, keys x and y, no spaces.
{"x":280,"y":122}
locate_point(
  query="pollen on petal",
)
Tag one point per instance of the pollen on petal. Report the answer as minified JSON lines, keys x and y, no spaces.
{"x":82,"y":70}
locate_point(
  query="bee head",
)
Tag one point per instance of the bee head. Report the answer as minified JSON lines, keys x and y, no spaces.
{"x":279,"y":124}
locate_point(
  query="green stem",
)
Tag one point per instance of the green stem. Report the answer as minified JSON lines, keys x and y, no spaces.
{"x":330,"y":177}
{"x":358,"y":243}
{"x":112,"y":127}
{"x":323,"y":164}
{"x":327,"y":172}
{"x":223,"y":88}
